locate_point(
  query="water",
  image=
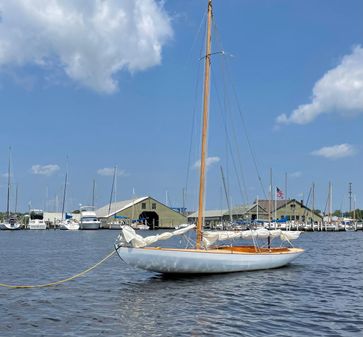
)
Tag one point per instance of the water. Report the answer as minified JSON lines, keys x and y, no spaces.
{"x":319,"y":294}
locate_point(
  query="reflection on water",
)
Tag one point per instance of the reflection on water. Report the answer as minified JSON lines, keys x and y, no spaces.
{"x":318,"y":295}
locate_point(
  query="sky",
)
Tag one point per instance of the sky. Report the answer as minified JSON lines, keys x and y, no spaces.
{"x":89,"y":85}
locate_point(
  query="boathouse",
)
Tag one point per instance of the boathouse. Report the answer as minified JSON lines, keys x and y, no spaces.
{"x":291,"y":210}
{"x":144,"y":210}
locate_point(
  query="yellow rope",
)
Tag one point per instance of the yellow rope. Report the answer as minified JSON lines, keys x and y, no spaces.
{"x":60,"y":281}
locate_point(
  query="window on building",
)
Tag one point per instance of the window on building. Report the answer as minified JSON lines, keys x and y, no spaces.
{"x":153,"y":205}
{"x":143,"y":205}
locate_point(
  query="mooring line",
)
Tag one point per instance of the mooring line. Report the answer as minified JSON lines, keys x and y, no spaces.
{"x":60,"y":281}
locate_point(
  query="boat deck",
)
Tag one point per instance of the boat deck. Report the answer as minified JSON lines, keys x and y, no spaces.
{"x":234,"y":250}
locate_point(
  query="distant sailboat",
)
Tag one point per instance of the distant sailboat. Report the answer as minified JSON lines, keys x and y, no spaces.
{"x":11,"y":221}
{"x":112,"y":222}
{"x":67,"y":223}
{"x":205,"y":257}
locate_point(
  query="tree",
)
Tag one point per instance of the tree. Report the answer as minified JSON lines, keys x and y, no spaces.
{"x":337,"y":213}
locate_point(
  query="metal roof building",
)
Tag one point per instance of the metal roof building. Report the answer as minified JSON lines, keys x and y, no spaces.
{"x":146,"y":210}
{"x":290,"y":209}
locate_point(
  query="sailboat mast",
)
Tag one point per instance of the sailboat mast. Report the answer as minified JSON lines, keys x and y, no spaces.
{"x":112,"y":189}
{"x":313,"y":215}
{"x":227,"y":198}
{"x":205,"y":127}
{"x":93,"y":192}
{"x":16,"y":199}
{"x":64,"y":193}
{"x":8,"y":197}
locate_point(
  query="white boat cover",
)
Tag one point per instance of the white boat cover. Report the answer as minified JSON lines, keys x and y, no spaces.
{"x":210,"y":238}
{"x":128,"y":237}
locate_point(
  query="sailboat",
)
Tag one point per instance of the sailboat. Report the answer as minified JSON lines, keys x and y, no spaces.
{"x":112,"y":222}
{"x":205,"y":257}
{"x":11,"y":222}
{"x":67,"y":223}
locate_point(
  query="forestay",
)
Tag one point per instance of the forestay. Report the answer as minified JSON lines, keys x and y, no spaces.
{"x":210,"y":238}
{"x":129,"y":238}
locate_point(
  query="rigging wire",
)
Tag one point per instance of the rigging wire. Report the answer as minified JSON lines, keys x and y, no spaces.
{"x":229,"y":146}
{"x":251,"y":150}
{"x":227,"y":108}
{"x":234,"y":133}
{"x":194,"y":114}
{"x":244,"y":192}
{"x":307,"y":201}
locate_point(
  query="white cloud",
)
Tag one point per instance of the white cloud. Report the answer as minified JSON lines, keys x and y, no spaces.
{"x":335,"y":152}
{"x":45,"y":170}
{"x":208,"y":162}
{"x":109,"y":171}
{"x":339,"y":90}
{"x":90,"y":41}
{"x":295,"y":174}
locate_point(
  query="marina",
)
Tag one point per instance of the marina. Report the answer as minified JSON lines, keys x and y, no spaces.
{"x":148,"y":213}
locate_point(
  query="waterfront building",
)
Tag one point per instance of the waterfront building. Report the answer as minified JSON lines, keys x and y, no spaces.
{"x":144,"y":210}
{"x":291,"y":210}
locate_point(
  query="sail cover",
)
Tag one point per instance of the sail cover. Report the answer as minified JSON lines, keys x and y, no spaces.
{"x":210,"y":238}
{"x":129,"y":238}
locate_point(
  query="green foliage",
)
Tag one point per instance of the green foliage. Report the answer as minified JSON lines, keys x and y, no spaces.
{"x":358,"y":214}
{"x":338,"y":213}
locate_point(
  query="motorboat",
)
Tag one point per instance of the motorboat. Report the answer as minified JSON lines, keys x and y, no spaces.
{"x":69,"y":224}
{"x":88,"y":218}
{"x":36,"y":220}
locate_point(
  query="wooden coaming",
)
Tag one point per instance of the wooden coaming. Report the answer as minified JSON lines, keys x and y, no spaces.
{"x":233,"y":250}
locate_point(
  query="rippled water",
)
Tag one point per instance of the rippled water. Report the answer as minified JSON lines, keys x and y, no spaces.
{"x":319,"y":294}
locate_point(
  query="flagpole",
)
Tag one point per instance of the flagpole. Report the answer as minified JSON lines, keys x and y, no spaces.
{"x":275,"y":205}
{"x":270,"y":200}
{"x":286,"y":185}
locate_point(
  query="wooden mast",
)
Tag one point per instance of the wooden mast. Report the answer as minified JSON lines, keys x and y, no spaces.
{"x":205,"y":127}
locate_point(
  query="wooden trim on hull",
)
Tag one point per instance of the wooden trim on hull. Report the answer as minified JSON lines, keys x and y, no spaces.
{"x":233,"y":250}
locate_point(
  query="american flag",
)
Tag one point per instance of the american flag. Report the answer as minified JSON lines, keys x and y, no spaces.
{"x":279,"y":193}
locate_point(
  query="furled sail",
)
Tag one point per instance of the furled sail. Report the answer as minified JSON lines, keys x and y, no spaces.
{"x":129,"y":238}
{"x":210,"y":238}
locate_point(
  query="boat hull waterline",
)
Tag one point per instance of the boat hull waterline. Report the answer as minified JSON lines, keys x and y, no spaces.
{"x":8,"y":226}
{"x":69,"y":226}
{"x":192,"y":261}
{"x":90,"y":225}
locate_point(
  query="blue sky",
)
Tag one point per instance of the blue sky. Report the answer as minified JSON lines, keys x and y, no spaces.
{"x":108,"y":83}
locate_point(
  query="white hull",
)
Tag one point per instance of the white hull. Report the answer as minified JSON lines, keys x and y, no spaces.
{"x":141,"y":227}
{"x":69,"y":226}
{"x":190,"y":261}
{"x":90,"y":225}
{"x":38,"y":226}
{"x":8,"y":226}
{"x":88,"y":218}
{"x":113,"y":226}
